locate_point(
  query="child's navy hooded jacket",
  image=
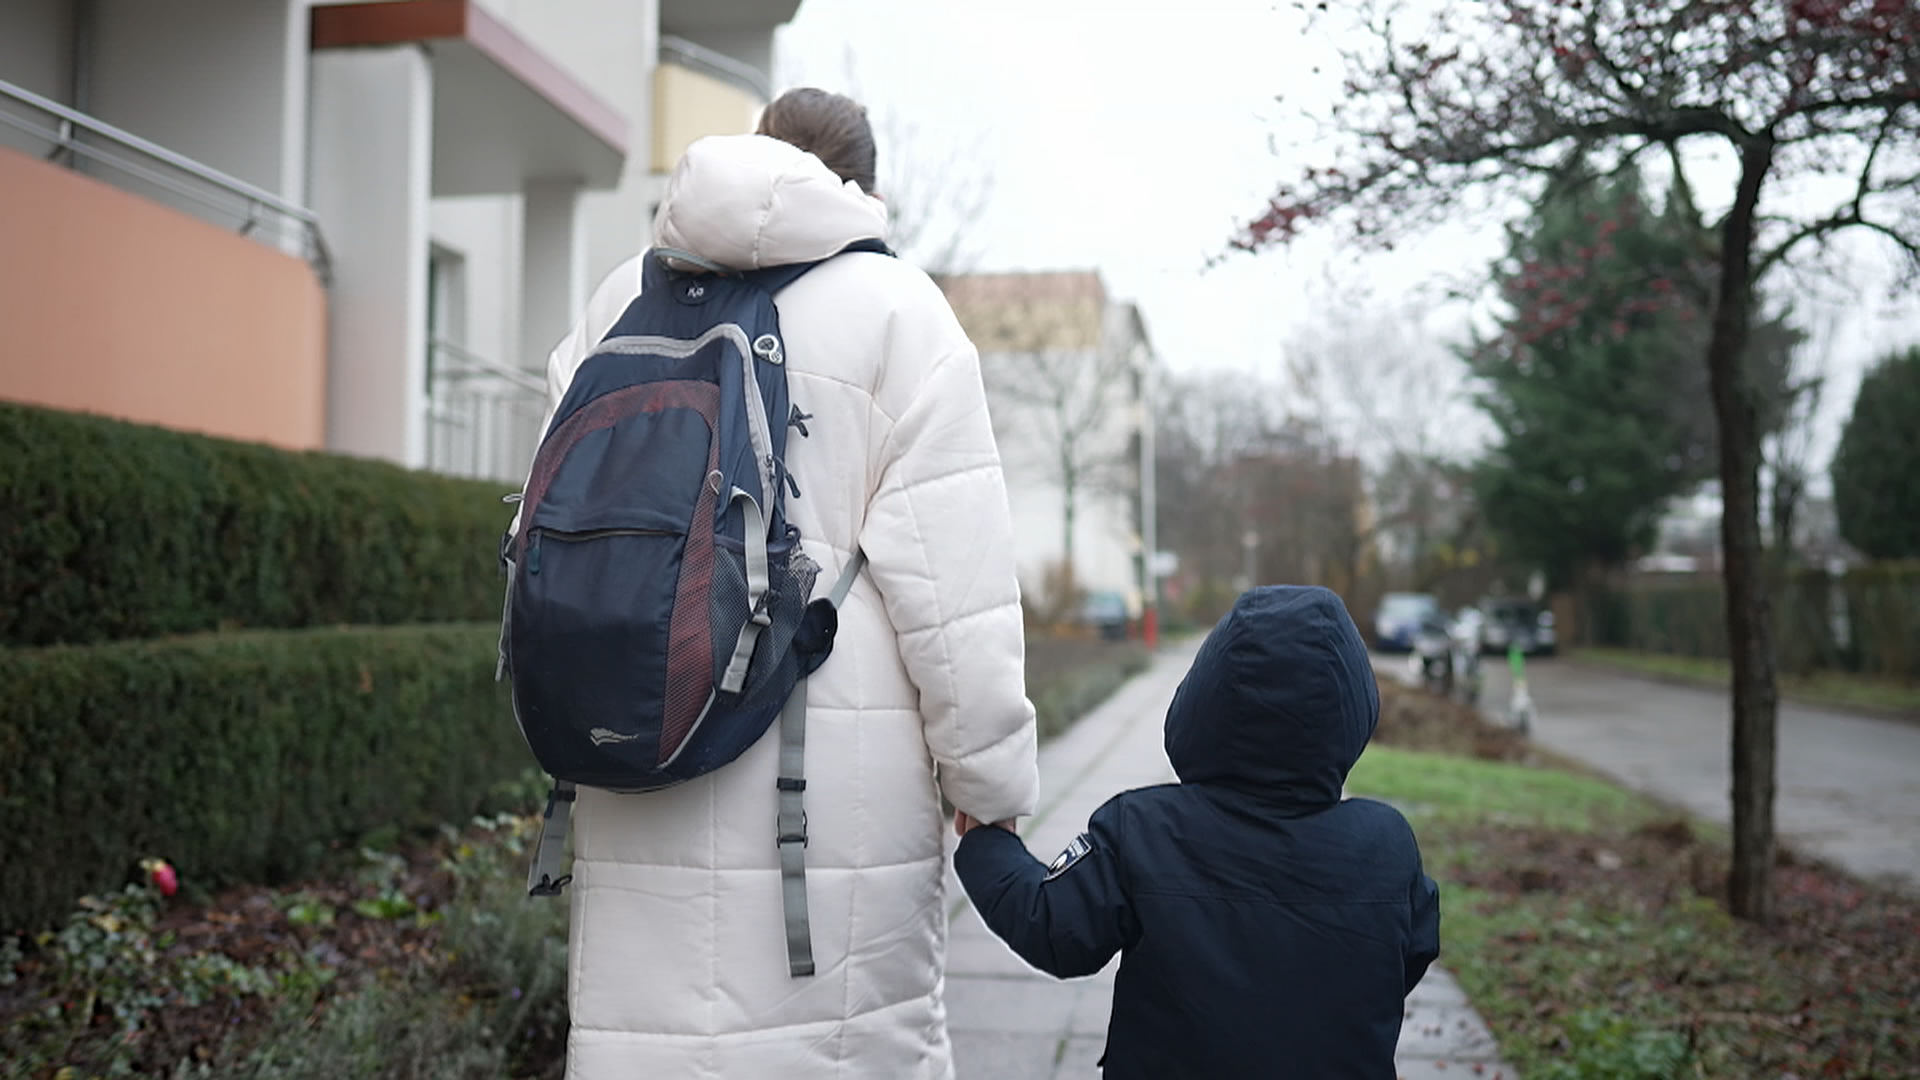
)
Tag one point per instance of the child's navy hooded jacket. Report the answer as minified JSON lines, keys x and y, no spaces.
{"x":1268,"y":928}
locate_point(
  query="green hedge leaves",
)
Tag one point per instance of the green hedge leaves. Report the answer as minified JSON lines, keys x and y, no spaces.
{"x":114,"y":530}
{"x":238,"y":756}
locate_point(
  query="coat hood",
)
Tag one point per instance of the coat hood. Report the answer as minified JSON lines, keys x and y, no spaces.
{"x":1279,"y":702}
{"x":750,"y":201}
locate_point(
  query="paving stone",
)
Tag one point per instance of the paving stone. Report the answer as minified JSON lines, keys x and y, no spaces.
{"x":1094,"y":1008}
{"x":999,"y":1055}
{"x":1026,"y":1006}
{"x":973,"y":950}
{"x":1082,"y":1059}
{"x":1444,"y":1031}
{"x":1437,"y":988}
{"x":1448,"y":1069}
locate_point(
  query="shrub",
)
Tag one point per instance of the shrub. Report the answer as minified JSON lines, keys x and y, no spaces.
{"x":237,"y":756}
{"x":118,"y":530}
{"x":1068,"y":678}
{"x":1874,"y":494}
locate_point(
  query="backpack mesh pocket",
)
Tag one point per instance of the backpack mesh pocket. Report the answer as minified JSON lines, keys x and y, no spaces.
{"x":790,"y":575}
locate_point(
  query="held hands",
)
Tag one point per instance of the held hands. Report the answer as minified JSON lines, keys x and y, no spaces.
{"x":964,"y":823}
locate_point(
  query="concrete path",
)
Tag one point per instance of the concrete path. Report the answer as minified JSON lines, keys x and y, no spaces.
{"x":1849,"y":785}
{"x":1010,"y":1022}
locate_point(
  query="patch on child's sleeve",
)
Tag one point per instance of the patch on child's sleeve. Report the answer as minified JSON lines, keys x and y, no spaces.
{"x":1081,"y":847}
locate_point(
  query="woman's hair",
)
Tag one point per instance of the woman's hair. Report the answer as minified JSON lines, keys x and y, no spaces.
{"x":831,"y":127}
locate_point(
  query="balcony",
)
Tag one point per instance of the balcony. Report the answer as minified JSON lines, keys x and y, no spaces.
{"x":699,"y":92}
{"x":120,"y":300}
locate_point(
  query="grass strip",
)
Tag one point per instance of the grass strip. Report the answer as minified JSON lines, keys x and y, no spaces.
{"x":1830,"y":688}
{"x":1587,"y":926}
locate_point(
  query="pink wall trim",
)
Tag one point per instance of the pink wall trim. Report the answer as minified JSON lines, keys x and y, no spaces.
{"x":113,"y":304}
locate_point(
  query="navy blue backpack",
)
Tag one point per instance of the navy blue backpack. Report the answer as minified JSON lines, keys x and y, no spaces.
{"x":657,"y":617}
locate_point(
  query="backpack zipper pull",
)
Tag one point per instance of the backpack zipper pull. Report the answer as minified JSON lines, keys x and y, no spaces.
{"x":798,"y":419}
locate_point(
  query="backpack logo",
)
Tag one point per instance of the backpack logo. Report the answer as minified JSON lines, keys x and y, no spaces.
{"x":602,"y":736}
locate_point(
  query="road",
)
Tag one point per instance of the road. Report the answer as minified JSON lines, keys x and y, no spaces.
{"x":1849,"y":785}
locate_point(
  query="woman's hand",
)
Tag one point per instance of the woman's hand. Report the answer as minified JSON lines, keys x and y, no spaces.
{"x":964,"y":823}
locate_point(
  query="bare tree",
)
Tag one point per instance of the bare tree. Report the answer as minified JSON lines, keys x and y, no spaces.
{"x":1062,"y":369}
{"x":1234,"y":467}
{"x":1815,"y":102}
{"x":1788,"y":453}
{"x":1375,"y":380}
{"x":936,"y":195}
{"x":937,"y":186}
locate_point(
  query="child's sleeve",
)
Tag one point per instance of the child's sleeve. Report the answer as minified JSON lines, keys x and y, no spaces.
{"x":1067,"y":919}
{"x":1423,"y":948}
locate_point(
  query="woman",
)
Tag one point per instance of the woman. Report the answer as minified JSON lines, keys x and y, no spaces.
{"x":677,"y":958}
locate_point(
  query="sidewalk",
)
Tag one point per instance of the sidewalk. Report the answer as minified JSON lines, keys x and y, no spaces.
{"x":1010,"y":1022}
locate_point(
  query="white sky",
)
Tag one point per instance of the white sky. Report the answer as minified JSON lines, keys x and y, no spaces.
{"x":1131,"y":136}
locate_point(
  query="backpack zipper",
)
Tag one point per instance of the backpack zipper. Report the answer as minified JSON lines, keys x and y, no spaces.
{"x":534,"y":536}
{"x":598,"y":534}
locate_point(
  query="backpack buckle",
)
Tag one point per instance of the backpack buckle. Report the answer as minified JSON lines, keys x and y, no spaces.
{"x":789,"y":831}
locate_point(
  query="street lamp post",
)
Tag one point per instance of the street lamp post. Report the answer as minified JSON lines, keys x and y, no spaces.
{"x":1149,"y":508}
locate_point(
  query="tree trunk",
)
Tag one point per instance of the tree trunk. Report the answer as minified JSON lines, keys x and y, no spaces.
{"x":1749,"y":620}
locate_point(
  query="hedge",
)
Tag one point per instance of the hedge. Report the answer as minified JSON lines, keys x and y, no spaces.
{"x":114,"y":530}
{"x":1866,"y":621}
{"x":1883,"y":609}
{"x":238,"y":756}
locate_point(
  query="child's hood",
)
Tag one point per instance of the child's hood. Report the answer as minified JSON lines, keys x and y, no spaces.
{"x":1280,"y":700}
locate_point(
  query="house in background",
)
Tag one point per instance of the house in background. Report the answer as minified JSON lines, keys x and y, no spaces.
{"x":347,"y":226}
{"x":1070,"y":376}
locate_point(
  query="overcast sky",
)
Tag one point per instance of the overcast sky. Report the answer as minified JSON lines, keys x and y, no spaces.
{"x":1131,"y":136}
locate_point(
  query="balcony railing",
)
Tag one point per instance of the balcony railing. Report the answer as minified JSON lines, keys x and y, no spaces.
{"x":74,"y":134}
{"x":679,"y":50}
{"x":483,"y":418}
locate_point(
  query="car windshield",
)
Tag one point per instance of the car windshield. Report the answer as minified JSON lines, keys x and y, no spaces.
{"x":1515,"y":613}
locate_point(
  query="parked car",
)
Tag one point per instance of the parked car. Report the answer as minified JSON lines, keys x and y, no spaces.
{"x":1446,"y":655}
{"x":1399,"y":618}
{"x":1502,"y":622}
{"x":1106,"y":614}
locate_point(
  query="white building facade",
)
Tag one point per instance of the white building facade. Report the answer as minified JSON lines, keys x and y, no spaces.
{"x":457,"y":175}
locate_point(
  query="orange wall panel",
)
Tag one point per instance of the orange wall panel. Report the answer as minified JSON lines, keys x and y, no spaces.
{"x":113,"y":304}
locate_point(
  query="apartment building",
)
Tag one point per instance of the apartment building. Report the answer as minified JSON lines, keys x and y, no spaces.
{"x":356,"y":227}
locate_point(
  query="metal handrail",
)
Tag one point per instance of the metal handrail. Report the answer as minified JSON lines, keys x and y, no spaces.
{"x":483,"y":416}
{"x":520,"y":377}
{"x":718,"y":64}
{"x":255,"y":197}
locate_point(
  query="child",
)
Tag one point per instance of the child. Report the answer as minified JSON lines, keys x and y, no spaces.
{"x":1266,"y":928}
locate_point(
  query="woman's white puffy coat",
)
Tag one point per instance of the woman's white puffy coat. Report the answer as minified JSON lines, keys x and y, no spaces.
{"x":677,"y":955}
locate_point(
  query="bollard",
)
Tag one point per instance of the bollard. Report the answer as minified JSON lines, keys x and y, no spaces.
{"x":1519,"y":702}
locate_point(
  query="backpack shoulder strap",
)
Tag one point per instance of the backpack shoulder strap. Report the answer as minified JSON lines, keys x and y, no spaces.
{"x":791,"y":834}
{"x":775,"y":278}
